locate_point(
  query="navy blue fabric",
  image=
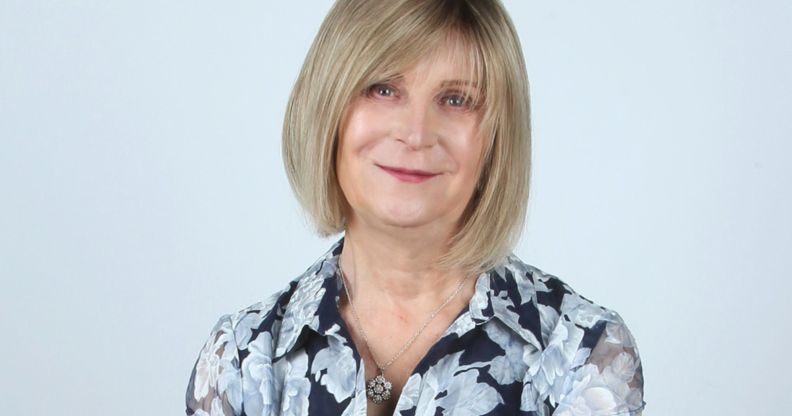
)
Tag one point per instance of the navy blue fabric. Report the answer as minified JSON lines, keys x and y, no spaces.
{"x":526,"y":344}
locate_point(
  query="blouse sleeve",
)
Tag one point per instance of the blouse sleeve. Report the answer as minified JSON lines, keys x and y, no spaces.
{"x":215,"y":386}
{"x":610,"y":381}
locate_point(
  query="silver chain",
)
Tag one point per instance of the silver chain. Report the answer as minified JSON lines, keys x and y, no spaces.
{"x":404,"y":348}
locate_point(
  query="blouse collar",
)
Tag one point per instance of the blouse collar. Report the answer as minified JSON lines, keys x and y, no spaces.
{"x":505,"y":292}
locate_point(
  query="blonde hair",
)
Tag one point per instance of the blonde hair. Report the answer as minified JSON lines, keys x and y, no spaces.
{"x":361,"y":42}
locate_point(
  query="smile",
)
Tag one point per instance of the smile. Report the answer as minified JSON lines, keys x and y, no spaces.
{"x":407,"y":176}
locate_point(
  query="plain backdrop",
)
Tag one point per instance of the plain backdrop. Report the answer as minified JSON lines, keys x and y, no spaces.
{"x":142,"y":192}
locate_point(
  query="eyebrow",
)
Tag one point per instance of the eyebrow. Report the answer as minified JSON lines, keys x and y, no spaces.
{"x":455,"y":82}
{"x":446,"y":83}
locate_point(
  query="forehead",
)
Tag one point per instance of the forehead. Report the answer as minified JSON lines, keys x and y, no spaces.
{"x":451,"y":58}
{"x":447,"y":61}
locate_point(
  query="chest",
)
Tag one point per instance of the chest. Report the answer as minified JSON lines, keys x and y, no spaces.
{"x":471,"y":374}
{"x":396,"y":343}
{"x":392,"y":346}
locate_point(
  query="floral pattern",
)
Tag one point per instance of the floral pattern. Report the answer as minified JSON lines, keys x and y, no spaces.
{"x":527,"y":344}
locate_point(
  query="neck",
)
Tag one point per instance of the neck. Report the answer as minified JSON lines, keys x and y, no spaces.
{"x":396,"y":268}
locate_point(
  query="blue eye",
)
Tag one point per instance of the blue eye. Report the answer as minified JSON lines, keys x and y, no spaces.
{"x":382,"y":90}
{"x":457,"y":101}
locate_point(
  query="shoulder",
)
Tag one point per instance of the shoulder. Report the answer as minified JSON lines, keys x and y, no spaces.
{"x":266,"y":316}
{"x":590,"y":359}
{"x":557,"y":302}
{"x":263,"y":321}
{"x":262,"y":316}
{"x":237,"y":343}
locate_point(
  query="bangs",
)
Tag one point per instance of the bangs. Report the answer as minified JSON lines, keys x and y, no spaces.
{"x":465,"y":51}
{"x":427,"y":30}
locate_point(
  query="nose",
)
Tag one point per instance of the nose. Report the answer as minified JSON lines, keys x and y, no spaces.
{"x":417,"y":125}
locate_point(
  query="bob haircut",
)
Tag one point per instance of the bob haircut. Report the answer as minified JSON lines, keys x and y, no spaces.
{"x":362,"y":42}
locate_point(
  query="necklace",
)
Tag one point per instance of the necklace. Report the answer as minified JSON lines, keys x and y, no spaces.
{"x":379,"y":388}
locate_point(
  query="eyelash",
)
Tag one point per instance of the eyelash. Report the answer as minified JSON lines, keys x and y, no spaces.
{"x":452,"y":95}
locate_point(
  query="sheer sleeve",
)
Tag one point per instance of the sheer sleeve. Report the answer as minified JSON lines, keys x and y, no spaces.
{"x":215,"y":386}
{"x":610,"y":381}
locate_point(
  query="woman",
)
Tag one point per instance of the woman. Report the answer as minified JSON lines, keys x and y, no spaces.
{"x":408,"y":129}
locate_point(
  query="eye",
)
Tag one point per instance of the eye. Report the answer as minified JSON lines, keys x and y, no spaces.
{"x":458,"y":100}
{"x":381,"y":90}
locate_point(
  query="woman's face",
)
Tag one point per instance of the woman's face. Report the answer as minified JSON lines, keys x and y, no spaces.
{"x":421,"y":121}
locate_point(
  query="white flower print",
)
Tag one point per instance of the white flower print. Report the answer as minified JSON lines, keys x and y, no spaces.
{"x":460,"y":326}
{"x":449,"y":376}
{"x":214,"y":358}
{"x":467,"y":397}
{"x":292,"y":369}
{"x":581,"y":311}
{"x":548,"y":316}
{"x":216,"y":371}
{"x":538,"y":276}
{"x":262,"y":390}
{"x":410,"y":393}
{"x":301,"y":310}
{"x":502,"y":306}
{"x":207,"y":371}
{"x":529,"y":398}
{"x":274,"y":388}
{"x":609,"y":382}
{"x":556,"y":360}
{"x":529,"y":343}
{"x":508,"y":368}
{"x":216,"y":409}
{"x":245,"y":325}
{"x":618,"y":333}
{"x":594,"y":393}
{"x":339,"y":362}
{"x":480,"y":299}
{"x":251,"y":317}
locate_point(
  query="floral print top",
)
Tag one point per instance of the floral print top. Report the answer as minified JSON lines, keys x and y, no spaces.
{"x":527,"y":344}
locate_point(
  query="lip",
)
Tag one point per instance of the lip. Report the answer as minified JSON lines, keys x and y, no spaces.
{"x":406,"y":175}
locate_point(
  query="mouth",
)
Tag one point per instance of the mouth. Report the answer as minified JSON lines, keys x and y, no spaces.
{"x":408,"y":171}
{"x":408,"y":175}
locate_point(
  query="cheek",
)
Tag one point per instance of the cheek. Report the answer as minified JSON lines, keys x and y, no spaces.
{"x":357,"y":140}
{"x":467,"y":149}
{"x":361,"y":128}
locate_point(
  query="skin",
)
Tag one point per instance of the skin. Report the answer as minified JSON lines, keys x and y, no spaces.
{"x":397,"y":230}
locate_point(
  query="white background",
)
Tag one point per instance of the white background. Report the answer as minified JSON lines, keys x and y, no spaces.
{"x":142,"y":192}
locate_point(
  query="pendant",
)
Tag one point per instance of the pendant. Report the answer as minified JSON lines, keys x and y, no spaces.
{"x":378,"y":389}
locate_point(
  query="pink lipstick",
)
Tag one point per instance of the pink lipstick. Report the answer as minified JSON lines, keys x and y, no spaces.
{"x":411,"y":176}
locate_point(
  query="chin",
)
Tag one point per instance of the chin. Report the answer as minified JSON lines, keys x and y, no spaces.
{"x":405,"y":215}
